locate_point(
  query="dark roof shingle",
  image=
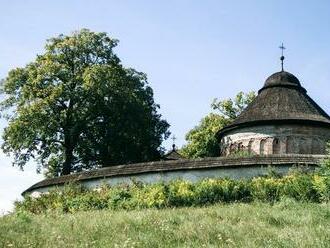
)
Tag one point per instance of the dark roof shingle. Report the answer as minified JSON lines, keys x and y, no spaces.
{"x":282,"y":99}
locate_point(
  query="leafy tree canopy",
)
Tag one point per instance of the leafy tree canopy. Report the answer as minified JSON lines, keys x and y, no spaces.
{"x":231,"y":108}
{"x":76,"y":107}
{"x":201,"y":140}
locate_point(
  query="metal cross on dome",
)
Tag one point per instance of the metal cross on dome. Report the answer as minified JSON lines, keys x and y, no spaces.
{"x":282,"y":57}
{"x":173,"y":145}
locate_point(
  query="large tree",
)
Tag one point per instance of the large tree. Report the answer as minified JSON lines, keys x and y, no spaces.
{"x":201,"y":140}
{"x":76,"y":107}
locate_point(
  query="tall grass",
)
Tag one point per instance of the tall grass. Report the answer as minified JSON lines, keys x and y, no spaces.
{"x":272,"y":211}
{"x":286,"y":223}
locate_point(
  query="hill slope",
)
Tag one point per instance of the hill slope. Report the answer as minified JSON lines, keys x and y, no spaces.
{"x":285,"y":224}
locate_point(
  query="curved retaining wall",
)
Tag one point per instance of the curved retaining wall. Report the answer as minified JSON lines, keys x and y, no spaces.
{"x":192,"y":170}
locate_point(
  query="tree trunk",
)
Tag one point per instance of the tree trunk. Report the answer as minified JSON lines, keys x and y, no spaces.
{"x":68,"y":160}
{"x":68,"y":144}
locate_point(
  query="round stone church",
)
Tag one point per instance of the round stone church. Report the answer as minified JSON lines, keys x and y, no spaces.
{"x":282,"y":119}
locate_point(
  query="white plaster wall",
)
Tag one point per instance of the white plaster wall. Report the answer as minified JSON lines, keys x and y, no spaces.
{"x":190,"y":175}
{"x":293,"y":139}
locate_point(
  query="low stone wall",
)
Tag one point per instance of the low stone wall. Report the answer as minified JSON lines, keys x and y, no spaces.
{"x":192,"y":170}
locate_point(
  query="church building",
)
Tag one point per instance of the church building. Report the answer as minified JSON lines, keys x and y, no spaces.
{"x":282,"y":119}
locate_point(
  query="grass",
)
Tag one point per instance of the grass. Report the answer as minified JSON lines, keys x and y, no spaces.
{"x":284,"y":224}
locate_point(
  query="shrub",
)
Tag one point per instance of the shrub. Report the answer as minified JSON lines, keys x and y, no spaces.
{"x":300,"y":186}
{"x":181,"y":193}
{"x":155,"y":195}
{"x":240,"y":154}
{"x":119,"y":197}
{"x":209,"y":191}
{"x":321,"y":185}
{"x":266,"y":189}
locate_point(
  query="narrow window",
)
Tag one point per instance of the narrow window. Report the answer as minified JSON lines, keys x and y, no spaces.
{"x":276,"y":146}
{"x":262,"y":146}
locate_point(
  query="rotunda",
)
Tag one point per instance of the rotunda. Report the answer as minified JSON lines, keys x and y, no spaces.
{"x":282,"y":119}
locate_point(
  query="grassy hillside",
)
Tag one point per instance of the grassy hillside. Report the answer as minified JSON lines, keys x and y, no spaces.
{"x":284,"y":224}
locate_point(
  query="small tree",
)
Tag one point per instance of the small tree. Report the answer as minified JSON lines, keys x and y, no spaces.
{"x":201,"y":140}
{"x":76,"y":107}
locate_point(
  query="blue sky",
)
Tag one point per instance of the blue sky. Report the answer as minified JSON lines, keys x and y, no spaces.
{"x":192,"y":51}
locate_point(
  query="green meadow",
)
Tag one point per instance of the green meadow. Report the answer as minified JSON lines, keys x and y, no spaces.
{"x":286,"y":223}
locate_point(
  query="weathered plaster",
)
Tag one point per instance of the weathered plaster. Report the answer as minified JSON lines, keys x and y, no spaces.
{"x":279,"y":139}
{"x":190,"y":175}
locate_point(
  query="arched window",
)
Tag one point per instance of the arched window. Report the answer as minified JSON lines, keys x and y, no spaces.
{"x":232,"y":148}
{"x":305,"y":145}
{"x":276,"y":146}
{"x":240,"y":146}
{"x":250,"y":146}
{"x":289,"y":145}
{"x":262,"y":146}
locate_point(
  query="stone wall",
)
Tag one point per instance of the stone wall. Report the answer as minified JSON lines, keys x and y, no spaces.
{"x":167,"y":176}
{"x":188,"y":169}
{"x":279,"y":139}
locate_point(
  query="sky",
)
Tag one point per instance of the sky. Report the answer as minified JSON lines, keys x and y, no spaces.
{"x":192,"y":51}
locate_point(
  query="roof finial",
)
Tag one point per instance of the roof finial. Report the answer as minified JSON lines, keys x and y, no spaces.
{"x":173,"y":145}
{"x":282,"y":57}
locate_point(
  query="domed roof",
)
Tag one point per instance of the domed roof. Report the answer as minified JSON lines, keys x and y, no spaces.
{"x":281,"y":100}
{"x":282,"y":78}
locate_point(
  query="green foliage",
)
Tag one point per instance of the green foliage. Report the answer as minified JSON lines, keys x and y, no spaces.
{"x":181,"y":193}
{"x":321,"y":185}
{"x":240,"y":154}
{"x":325,"y":165}
{"x":266,"y":189}
{"x":231,"y":108}
{"x":23,"y":217}
{"x":300,"y":187}
{"x":202,"y":140}
{"x":321,"y":182}
{"x":297,"y":185}
{"x":286,"y":223}
{"x":211,"y":191}
{"x":153,"y":196}
{"x":76,"y":107}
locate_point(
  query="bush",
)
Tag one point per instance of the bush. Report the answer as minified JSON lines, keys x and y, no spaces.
{"x":266,"y":189}
{"x":321,"y":185}
{"x":209,"y":191}
{"x":153,"y":196}
{"x":181,"y":193}
{"x":300,"y":186}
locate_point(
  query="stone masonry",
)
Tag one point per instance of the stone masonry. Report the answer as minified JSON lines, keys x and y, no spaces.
{"x":271,"y":139}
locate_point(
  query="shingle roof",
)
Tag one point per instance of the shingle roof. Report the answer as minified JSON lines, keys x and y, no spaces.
{"x":282,"y":99}
{"x":282,"y":78}
{"x":173,"y":155}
